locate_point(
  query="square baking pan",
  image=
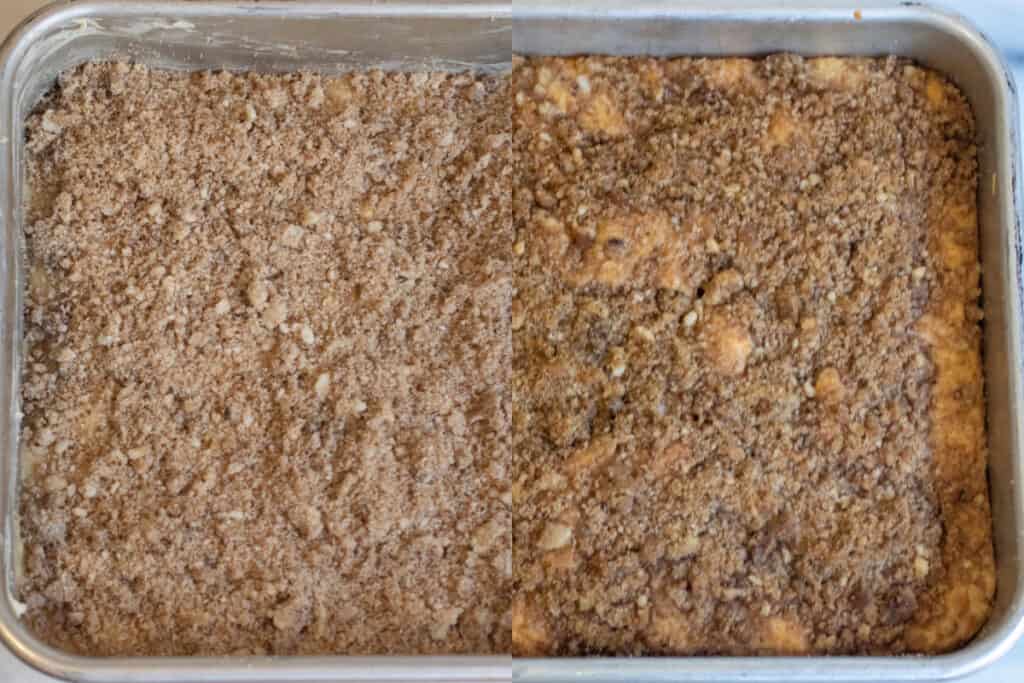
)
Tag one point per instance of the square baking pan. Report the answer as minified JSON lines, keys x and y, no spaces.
{"x":328,"y":37}
{"x":938,"y":40}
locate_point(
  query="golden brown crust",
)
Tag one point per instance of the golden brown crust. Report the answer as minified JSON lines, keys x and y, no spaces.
{"x":748,"y":410}
{"x":959,"y":603}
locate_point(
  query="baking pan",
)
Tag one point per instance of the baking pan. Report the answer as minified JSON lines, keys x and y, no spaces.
{"x":335,"y":36}
{"x":262,"y":36}
{"x":938,"y":40}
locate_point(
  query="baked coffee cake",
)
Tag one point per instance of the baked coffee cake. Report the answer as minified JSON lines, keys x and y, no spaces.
{"x":609,"y":356}
{"x":747,"y":395}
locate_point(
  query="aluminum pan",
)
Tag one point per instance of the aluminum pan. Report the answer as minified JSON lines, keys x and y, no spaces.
{"x":332,"y":36}
{"x":937,"y":39}
{"x":264,"y":36}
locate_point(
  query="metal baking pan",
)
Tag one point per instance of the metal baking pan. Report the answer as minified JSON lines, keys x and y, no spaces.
{"x":335,"y":36}
{"x":240,"y":35}
{"x":936,"y":39}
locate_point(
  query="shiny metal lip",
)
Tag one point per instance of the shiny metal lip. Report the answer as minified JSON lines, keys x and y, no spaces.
{"x":940,"y":40}
{"x":331,"y":35}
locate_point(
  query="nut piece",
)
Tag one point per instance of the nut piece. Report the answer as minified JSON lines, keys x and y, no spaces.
{"x":727,"y":345}
{"x":554,"y":536}
{"x":247,"y":115}
{"x":734,"y":74}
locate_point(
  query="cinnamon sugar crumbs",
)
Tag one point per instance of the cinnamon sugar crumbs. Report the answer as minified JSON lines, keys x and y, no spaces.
{"x":748,"y":412}
{"x":615,"y":356}
{"x":267,"y":354}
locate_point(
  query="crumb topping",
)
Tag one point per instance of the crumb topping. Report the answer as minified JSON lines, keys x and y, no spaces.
{"x":748,"y":410}
{"x":268,"y":347}
{"x":611,"y":356}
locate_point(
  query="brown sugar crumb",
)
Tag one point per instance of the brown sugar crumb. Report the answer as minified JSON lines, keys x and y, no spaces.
{"x":268,"y":353}
{"x":748,"y":406}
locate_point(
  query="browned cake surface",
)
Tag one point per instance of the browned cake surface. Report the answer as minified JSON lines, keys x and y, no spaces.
{"x":747,"y":399}
{"x":265,"y":392}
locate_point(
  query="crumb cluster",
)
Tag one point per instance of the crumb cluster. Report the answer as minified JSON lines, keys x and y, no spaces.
{"x":267,"y":347}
